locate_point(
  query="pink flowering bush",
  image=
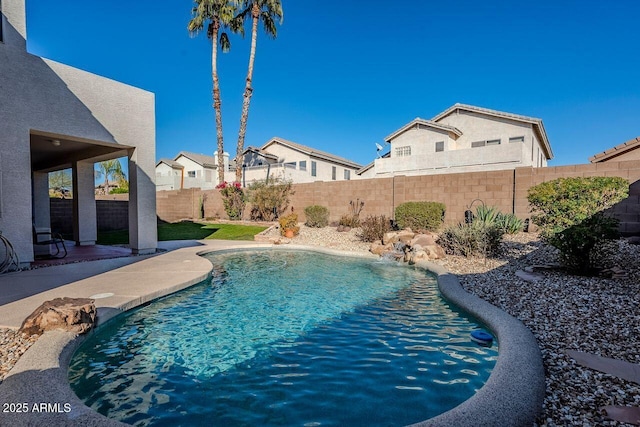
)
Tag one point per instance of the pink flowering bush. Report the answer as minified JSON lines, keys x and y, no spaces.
{"x":233,"y":198}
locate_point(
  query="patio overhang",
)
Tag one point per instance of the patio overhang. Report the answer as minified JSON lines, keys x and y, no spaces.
{"x":51,"y":152}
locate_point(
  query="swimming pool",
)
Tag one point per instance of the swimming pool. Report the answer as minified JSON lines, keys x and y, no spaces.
{"x":286,"y":338}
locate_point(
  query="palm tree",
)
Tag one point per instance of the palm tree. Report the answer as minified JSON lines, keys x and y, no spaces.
{"x":267,"y":11}
{"x":219,"y":15}
{"x":110,"y":168}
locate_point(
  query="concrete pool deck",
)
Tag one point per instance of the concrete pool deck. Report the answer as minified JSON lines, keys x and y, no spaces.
{"x":38,"y":385}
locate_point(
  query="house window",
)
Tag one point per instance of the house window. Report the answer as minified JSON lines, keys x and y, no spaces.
{"x":477,"y":144}
{"x":333,"y":172}
{"x":493,"y":142}
{"x":290,"y":165}
{"x":439,"y":146}
{"x":303,"y":165}
{"x":517,"y":139}
{"x":347,"y":174}
{"x":403,"y":151}
{"x":313,"y":168}
{"x":191,"y":174}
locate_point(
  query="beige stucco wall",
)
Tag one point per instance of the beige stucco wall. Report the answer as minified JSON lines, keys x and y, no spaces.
{"x":480,"y":127}
{"x":167,"y":178}
{"x":458,"y":154}
{"x":205,"y":177}
{"x":44,"y":96}
{"x":286,"y":155}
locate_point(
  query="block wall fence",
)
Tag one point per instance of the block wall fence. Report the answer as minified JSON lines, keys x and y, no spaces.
{"x":506,"y":190}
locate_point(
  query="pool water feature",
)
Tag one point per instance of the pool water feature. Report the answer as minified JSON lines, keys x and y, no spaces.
{"x":282,"y":337}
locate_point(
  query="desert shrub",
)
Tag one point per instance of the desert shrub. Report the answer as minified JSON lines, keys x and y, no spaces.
{"x":352,"y":219}
{"x":509,"y":223}
{"x":373,"y":228}
{"x":478,"y":238}
{"x":317,"y":216}
{"x":269,"y":199}
{"x":349,"y":220}
{"x":571,"y":215}
{"x":289,"y":222}
{"x":420,"y":215}
{"x":233,"y":199}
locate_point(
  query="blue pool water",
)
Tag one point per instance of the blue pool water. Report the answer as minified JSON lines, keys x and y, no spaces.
{"x":286,"y":338}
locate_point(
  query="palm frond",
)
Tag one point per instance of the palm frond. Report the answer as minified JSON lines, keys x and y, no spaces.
{"x":225,"y":43}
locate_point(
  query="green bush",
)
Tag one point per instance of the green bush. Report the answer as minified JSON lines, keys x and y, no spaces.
{"x":477,"y":238}
{"x":317,"y":216}
{"x":269,"y":199}
{"x":420,"y":215}
{"x":374,"y":227}
{"x":570,"y":213}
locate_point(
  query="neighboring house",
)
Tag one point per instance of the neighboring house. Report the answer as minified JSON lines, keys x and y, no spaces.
{"x":629,"y":150}
{"x":463,"y":138}
{"x":189,"y":170}
{"x":54,"y":117}
{"x":297,"y":162}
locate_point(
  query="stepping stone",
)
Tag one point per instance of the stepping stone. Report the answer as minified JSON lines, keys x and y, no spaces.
{"x":529,"y":277}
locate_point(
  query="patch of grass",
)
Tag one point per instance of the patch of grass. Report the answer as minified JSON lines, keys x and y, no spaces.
{"x":187,"y":230}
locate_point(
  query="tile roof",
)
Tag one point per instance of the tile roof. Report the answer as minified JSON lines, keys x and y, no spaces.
{"x":261,"y":152}
{"x":423,"y":122}
{"x":312,"y":152}
{"x":537,"y":123}
{"x":201,"y":159}
{"x":171,"y":163}
{"x":616,"y":151}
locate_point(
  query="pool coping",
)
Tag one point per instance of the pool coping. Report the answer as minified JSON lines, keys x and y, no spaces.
{"x":512,"y":396}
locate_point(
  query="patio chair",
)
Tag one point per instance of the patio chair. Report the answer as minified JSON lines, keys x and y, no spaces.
{"x":42,"y":238}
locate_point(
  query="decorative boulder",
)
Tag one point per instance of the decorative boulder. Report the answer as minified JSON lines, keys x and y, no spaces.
{"x":378,"y":248}
{"x":423,"y":240}
{"x":69,"y":314}
{"x":390,"y":238}
{"x":405,"y":236}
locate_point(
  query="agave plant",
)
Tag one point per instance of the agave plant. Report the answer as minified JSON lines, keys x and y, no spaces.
{"x":510,"y":223}
{"x":487,"y":214}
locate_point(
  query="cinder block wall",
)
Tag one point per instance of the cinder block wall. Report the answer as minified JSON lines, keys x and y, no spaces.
{"x":176,"y":205}
{"x":110,"y":214}
{"x":506,"y":190}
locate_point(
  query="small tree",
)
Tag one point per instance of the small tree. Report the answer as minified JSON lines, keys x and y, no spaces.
{"x":571,"y":214}
{"x":233,"y":198}
{"x":269,"y":199}
{"x":110,"y":169}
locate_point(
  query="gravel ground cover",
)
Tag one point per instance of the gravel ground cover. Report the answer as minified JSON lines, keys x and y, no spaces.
{"x":597,"y":315}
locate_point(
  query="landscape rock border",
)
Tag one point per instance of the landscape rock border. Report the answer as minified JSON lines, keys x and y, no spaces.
{"x":512,"y":395}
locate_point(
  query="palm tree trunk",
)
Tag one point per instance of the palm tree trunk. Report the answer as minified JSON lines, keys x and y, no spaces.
{"x":248,"y":91}
{"x":217,"y":103}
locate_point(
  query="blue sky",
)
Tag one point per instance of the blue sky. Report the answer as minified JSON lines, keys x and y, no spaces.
{"x":342,"y":75}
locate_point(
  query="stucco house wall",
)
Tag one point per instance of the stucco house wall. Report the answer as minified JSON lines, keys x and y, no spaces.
{"x":42,"y":101}
{"x":479,"y":127}
{"x":204,"y":178}
{"x":167,"y":177}
{"x":463,"y":139}
{"x":288,"y":164}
